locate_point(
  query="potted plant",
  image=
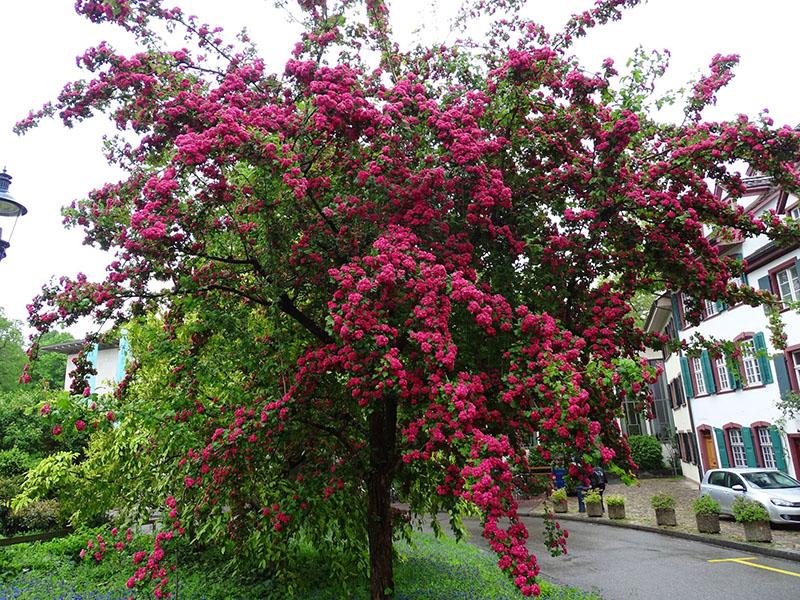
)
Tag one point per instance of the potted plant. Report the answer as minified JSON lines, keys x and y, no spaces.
{"x":559,"y":498}
{"x":616,"y":507}
{"x":664,"y":505}
{"x":755,"y":519}
{"x":594,"y":503}
{"x":706,"y":511}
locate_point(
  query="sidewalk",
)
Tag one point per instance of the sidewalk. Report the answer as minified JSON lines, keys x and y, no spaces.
{"x":639,"y":512}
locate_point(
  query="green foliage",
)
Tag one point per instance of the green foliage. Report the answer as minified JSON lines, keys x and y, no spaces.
{"x":646,"y":452}
{"x":559,"y":495}
{"x":427,"y":568}
{"x":41,"y":515}
{"x":660,"y":501}
{"x":592,"y":497}
{"x":747,"y":511}
{"x":14,"y":461}
{"x":706,"y":505}
{"x":615,"y":500}
{"x":12,"y":356}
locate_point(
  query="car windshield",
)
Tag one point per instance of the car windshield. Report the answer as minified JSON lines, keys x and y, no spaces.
{"x":771,"y":480}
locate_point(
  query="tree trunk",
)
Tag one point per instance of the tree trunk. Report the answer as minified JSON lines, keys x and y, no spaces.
{"x":382,"y":437}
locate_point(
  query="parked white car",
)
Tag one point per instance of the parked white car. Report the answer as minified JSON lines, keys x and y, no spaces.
{"x":776,"y":491}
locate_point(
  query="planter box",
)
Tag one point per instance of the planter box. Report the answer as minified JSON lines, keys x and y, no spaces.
{"x":560,"y":506}
{"x":757,"y":531}
{"x":666,"y":516}
{"x":616,"y":511}
{"x":707,"y":523}
{"x":594,"y":510}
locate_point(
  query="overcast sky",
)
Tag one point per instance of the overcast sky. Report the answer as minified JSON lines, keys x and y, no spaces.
{"x":52,"y":165}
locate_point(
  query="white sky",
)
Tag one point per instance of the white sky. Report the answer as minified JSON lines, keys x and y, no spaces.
{"x":52,"y":165}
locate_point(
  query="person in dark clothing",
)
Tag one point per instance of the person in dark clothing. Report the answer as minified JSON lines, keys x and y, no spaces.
{"x":598,"y":481}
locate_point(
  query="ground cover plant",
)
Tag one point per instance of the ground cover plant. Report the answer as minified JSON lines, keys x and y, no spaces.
{"x":427,"y":569}
{"x":381,"y":270}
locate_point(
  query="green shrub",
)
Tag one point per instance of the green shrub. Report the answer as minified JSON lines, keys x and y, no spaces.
{"x":592,"y":497}
{"x":662,"y":501}
{"x":747,"y":511}
{"x":559,"y":495}
{"x":646,"y":452}
{"x":706,"y":505}
{"x":15,"y":462}
{"x":615,"y":500}
{"x":40,"y":515}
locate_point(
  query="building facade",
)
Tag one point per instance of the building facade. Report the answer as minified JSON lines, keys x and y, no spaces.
{"x":725,"y":407}
{"x":109,"y":360}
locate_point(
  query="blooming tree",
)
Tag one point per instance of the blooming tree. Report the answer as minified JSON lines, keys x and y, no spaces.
{"x":407,"y":261}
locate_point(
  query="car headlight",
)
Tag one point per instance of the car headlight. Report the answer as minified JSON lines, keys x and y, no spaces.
{"x":779,"y":502}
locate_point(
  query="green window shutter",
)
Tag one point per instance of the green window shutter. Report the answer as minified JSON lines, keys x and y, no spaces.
{"x":777,"y":446}
{"x":765,"y":284}
{"x":687,"y":382}
{"x":749,"y":447}
{"x":782,"y":374}
{"x":733,"y":373}
{"x":676,"y":315}
{"x":739,"y":256}
{"x":723,"y":452}
{"x":720,"y":306}
{"x":708,"y":374}
{"x":763,"y":361}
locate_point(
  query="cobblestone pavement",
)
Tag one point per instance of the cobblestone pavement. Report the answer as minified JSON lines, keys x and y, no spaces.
{"x":638,"y":510}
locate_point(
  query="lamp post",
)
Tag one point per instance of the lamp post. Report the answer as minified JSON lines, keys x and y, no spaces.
{"x":8,"y":208}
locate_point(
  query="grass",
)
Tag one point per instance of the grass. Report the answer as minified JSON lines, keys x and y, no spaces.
{"x":429,"y":569}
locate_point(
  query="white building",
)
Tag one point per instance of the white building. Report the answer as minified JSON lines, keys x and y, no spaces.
{"x":108,"y":359}
{"x":725,"y":409}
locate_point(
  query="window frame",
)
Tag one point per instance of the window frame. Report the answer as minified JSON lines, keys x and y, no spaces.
{"x":736,"y":445}
{"x":697,"y":377}
{"x":750,"y":358}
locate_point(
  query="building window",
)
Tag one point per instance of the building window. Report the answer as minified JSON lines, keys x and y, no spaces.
{"x":767,"y":451}
{"x":737,"y":447}
{"x":722,"y":375}
{"x":795,"y":212}
{"x":796,"y":365}
{"x":788,"y":284}
{"x":712,"y":308}
{"x":699,"y":382}
{"x":752,"y":372}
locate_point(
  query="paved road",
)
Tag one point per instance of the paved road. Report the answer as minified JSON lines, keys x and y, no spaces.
{"x":623,"y":564}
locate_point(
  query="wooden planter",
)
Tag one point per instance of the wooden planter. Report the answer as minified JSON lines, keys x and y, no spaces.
{"x":560,"y":506}
{"x":616,"y":512}
{"x":707,"y":523}
{"x":666,"y":516}
{"x":757,"y":531}
{"x":594,"y":509}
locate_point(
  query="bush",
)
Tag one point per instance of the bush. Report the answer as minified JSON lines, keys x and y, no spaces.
{"x":15,"y":462}
{"x":747,"y":511}
{"x":41,"y":515}
{"x":615,"y":500}
{"x":660,"y":501}
{"x":592,"y":497}
{"x":706,"y":505}
{"x":559,"y":495}
{"x":646,"y":452}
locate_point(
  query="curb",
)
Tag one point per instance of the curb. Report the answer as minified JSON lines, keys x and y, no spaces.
{"x":773,"y":552}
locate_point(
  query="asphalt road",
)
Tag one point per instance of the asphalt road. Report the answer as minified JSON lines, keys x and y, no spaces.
{"x":624,"y":564}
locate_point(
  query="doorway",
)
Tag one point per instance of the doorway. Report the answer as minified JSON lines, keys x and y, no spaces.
{"x":794,"y":450}
{"x":710,"y":450}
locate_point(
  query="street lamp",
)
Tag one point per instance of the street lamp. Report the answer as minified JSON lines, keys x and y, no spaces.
{"x":8,"y":208}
